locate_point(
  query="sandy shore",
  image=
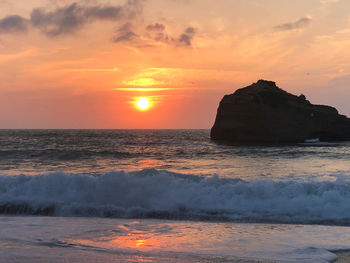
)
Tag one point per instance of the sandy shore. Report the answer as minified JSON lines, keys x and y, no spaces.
{"x":64,"y":239}
{"x":60,"y":255}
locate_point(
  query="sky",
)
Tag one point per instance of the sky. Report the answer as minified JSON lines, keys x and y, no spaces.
{"x":85,"y":64}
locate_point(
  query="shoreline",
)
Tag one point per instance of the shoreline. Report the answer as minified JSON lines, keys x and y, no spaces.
{"x":55,"y":255}
{"x":76,"y":239}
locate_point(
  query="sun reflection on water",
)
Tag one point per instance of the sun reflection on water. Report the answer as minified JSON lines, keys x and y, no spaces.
{"x":136,"y":241}
{"x":140,"y":242}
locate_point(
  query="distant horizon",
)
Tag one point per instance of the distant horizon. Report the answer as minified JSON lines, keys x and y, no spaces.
{"x":97,"y":129}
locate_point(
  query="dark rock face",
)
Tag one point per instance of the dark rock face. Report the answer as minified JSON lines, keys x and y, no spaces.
{"x":264,"y":113}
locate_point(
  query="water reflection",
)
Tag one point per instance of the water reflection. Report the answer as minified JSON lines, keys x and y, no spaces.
{"x":243,"y":240}
{"x":182,"y":151}
{"x":135,"y":241}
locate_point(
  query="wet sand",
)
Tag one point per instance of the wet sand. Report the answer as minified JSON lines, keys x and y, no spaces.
{"x":64,"y":239}
{"x":59,"y":255}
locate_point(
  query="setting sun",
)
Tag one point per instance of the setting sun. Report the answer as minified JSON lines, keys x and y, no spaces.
{"x":143,"y":103}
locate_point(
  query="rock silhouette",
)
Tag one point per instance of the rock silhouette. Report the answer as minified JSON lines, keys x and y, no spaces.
{"x":264,"y":113}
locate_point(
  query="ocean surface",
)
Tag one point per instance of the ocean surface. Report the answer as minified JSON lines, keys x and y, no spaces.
{"x":147,"y":195}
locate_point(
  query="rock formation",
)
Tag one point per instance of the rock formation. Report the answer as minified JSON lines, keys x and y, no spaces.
{"x":264,"y":113}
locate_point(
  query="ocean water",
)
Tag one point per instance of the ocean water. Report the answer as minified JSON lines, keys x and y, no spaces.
{"x":147,"y":195}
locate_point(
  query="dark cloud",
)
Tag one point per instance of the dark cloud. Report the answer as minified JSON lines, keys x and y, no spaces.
{"x":62,"y":20}
{"x":302,"y":22}
{"x":190,"y":31}
{"x":157,"y":32}
{"x":14,"y":23}
{"x":125,"y":37}
{"x":187,"y":36}
{"x":155,"y":27}
{"x":125,"y":34}
{"x":125,"y":28}
{"x":68,"y":19}
{"x":104,"y":12}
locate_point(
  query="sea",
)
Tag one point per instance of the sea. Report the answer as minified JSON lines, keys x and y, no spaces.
{"x":169,"y":196}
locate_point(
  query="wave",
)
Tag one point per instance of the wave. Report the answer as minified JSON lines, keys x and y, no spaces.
{"x":162,"y":194}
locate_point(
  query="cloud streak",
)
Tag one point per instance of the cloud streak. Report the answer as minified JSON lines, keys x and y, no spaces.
{"x":301,"y":23}
{"x":115,"y":69}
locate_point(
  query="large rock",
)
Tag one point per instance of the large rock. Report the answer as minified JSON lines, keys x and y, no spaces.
{"x":264,"y":113}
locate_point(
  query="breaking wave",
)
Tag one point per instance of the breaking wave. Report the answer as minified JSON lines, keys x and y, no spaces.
{"x":162,"y":194}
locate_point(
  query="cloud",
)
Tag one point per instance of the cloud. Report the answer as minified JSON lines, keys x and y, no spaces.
{"x":301,"y":23}
{"x":68,"y":19}
{"x":187,"y":36}
{"x":151,"y":34}
{"x":60,"y":21}
{"x":126,"y":37}
{"x":104,"y":12}
{"x":155,"y":27}
{"x":157,"y":32}
{"x":13,"y":23}
{"x":125,"y":34}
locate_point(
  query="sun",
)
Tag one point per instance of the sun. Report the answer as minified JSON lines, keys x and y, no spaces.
{"x":143,"y":103}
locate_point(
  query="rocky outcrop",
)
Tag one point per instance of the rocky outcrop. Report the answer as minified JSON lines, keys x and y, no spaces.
{"x":264,"y":113}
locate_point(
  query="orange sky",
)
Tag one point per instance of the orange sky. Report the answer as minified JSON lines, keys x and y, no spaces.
{"x":83,"y":64}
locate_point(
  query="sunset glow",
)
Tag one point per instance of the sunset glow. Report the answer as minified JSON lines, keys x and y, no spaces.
{"x":175,"y":130}
{"x":143,"y":82}
{"x":116,"y":50}
{"x":143,"y":103}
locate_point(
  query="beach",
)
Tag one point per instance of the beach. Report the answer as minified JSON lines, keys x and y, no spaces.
{"x":170,"y":196}
{"x":60,"y":239}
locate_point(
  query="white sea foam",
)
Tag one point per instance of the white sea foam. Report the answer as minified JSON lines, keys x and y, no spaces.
{"x":162,"y":194}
